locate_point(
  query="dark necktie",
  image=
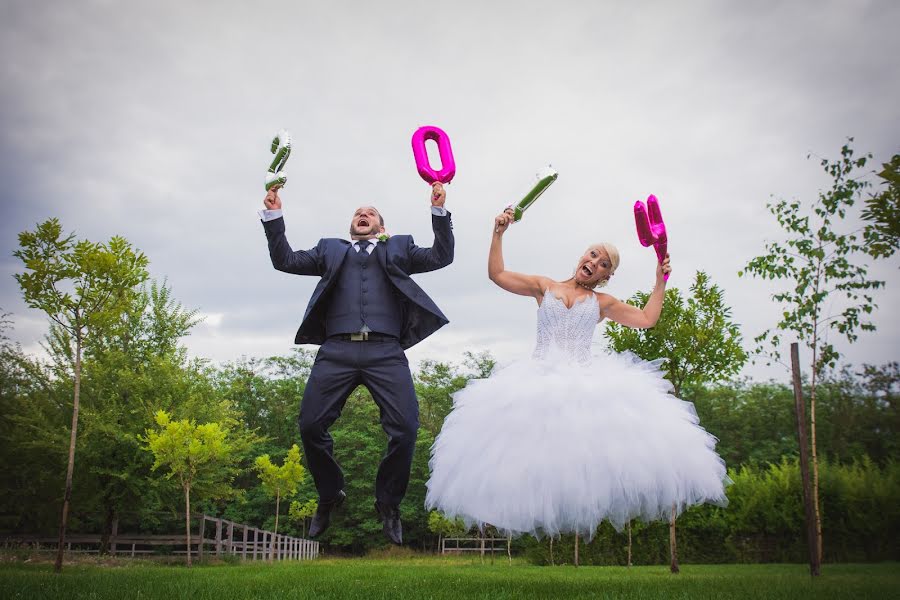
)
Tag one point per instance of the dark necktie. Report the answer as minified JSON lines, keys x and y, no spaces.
{"x":364,"y":246}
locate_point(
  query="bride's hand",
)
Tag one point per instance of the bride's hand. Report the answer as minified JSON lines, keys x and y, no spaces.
{"x":663,"y":269}
{"x":503,"y":221}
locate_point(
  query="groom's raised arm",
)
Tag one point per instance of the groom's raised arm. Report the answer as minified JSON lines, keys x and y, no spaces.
{"x":441,"y":253}
{"x":284,"y":258}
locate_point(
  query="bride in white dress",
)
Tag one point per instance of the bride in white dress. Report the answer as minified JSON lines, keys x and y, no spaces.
{"x":558,"y":443}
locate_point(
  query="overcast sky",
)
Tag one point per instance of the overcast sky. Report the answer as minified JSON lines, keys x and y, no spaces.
{"x":152,"y":120}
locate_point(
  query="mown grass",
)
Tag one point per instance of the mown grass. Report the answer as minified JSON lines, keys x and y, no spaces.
{"x":428,"y":577}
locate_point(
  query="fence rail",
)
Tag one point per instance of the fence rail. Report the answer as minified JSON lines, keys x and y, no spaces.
{"x":228,"y":539}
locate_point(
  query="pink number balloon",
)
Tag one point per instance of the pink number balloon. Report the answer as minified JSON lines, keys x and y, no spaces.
{"x":448,"y":166}
{"x":650,"y":227}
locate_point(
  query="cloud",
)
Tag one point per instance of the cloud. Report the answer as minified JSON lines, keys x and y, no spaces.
{"x":152,"y":121}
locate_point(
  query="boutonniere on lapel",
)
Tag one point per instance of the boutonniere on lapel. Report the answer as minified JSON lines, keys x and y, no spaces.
{"x":383,"y":237}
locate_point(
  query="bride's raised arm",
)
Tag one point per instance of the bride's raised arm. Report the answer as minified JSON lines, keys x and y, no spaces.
{"x":517,"y":283}
{"x":632,"y":316}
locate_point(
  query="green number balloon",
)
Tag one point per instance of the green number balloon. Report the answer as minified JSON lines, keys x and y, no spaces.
{"x":281,"y":148}
{"x":545,"y":178}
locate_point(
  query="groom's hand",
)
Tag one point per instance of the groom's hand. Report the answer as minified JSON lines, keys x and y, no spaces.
{"x":438,"y":195}
{"x":272,"y":201}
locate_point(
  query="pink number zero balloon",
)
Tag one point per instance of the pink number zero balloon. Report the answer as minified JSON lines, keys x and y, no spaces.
{"x":448,"y":166}
{"x":650,"y":227}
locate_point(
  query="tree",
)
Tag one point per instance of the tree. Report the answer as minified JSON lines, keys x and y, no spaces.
{"x":828,"y":288}
{"x":696,"y":337}
{"x":303,"y":511}
{"x":444,"y":527}
{"x":697,"y":340}
{"x":193,"y":453}
{"x":134,"y":367}
{"x":280,"y":481}
{"x":80,"y":285}
{"x":882,"y":234}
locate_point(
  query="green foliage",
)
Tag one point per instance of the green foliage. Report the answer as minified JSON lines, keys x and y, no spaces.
{"x":200,"y":456}
{"x":763,"y":522}
{"x":281,"y":481}
{"x":436,"y":382}
{"x":755,"y":422}
{"x":441,"y":525}
{"x":301,"y":512}
{"x":267,"y":393}
{"x":821,"y":265}
{"x":882,"y":211}
{"x":79,"y":284}
{"x":695,"y":336}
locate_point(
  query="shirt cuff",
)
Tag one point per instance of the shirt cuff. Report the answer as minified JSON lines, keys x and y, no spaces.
{"x":269,"y":215}
{"x":439,"y":211}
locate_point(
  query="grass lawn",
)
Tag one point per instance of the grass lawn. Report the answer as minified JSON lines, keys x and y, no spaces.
{"x":436,"y":577}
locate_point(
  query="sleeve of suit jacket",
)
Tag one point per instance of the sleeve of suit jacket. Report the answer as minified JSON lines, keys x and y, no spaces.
{"x":299,"y":262}
{"x":440,"y":254}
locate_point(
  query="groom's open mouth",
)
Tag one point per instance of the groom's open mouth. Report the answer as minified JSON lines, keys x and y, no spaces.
{"x":362,"y":223}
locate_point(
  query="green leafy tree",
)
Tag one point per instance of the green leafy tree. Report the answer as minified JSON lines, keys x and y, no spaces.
{"x":828,"y":287}
{"x":33,"y":436}
{"x":134,"y":367}
{"x":882,"y":211}
{"x":695,"y":337}
{"x":193,"y":453}
{"x":280,"y":481}
{"x":81,"y":285}
{"x":302,"y":512}
{"x":443,"y":527}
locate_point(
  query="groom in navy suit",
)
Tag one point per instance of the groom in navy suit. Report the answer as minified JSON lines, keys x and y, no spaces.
{"x":364,"y":312}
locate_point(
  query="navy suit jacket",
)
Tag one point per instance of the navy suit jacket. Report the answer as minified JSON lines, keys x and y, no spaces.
{"x":400,"y":258}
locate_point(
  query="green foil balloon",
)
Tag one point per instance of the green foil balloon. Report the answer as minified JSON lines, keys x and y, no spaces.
{"x":281,"y":148}
{"x":545,"y":178}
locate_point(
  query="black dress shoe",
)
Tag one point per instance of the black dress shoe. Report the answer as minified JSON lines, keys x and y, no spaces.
{"x":322,"y":519}
{"x":390,"y":517}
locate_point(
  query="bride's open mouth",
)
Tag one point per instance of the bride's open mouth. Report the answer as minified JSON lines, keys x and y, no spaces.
{"x":586,"y":270}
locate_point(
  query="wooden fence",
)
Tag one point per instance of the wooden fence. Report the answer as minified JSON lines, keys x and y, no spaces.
{"x":216,"y":537}
{"x":479,"y":544}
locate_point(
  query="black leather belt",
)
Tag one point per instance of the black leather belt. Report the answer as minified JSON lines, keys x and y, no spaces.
{"x":364,"y":336}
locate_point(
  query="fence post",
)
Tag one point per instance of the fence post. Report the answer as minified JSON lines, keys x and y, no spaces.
{"x":230,"y":537}
{"x":244,"y":549}
{"x":218,"y":537}
{"x":202,"y":537}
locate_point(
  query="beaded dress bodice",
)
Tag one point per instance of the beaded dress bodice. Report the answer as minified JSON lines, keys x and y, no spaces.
{"x":566,"y":332}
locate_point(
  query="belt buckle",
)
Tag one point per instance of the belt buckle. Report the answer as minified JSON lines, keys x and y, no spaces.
{"x":361,"y":336}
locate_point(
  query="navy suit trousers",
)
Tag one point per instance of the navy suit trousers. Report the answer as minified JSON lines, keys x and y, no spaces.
{"x":341,"y":366}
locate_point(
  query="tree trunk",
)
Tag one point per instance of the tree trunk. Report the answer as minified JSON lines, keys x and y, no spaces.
{"x":673,"y":546}
{"x":576,"y":548}
{"x":800,"y":413}
{"x":509,"y":548}
{"x":277,"y":507}
{"x":187,"y":520}
{"x":551,"y":551}
{"x":629,"y":543}
{"x":815,"y":460}
{"x":107,"y":529}
{"x":67,"y":496}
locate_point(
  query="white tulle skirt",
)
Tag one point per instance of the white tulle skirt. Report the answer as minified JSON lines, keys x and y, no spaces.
{"x":547,"y":447}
